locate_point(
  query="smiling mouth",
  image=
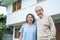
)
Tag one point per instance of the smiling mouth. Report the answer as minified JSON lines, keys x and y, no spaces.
{"x":30,"y":20}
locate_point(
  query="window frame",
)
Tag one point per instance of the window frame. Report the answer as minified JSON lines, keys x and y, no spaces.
{"x":16,"y":5}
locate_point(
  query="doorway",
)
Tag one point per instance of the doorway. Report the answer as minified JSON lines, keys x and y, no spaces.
{"x":57,"y":31}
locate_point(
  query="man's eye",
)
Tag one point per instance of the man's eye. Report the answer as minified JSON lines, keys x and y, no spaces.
{"x":36,"y":11}
{"x":39,"y":10}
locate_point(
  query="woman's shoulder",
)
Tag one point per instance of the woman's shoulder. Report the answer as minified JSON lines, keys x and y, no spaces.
{"x":34,"y":25}
{"x":24,"y":25}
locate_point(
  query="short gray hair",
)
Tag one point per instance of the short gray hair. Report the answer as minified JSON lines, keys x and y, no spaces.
{"x":39,"y":7}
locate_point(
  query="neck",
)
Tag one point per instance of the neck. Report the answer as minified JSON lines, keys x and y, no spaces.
{"x":30,"y":23}
{"x":41,"y":16}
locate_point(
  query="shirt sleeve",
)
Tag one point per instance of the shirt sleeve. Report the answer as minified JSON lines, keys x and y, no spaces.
{"x":52,"y":27}
{"x":35,"y":22}
{"x":21,"y":30}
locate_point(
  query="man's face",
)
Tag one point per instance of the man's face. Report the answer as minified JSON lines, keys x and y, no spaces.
{"x":39,"y":11}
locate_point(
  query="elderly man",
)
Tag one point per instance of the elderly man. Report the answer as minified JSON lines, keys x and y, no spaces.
{"x":45,"y":26}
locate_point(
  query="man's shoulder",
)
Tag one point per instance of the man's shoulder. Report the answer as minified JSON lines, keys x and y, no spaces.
{"x":47,"y":16}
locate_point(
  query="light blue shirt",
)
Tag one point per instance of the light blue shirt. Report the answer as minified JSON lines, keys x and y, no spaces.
{"x":29,"y":32}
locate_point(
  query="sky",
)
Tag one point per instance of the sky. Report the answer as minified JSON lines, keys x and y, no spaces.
{"x":3,"y":10}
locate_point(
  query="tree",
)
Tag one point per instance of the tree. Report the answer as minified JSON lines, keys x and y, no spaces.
{"x":2,"y":20}
{"x":2,"y":25}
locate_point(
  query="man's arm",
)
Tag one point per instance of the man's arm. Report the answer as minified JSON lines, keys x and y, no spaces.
{"x":52,"y":28}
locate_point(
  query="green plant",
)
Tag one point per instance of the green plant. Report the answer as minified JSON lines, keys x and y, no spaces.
{"x":2,"y":25}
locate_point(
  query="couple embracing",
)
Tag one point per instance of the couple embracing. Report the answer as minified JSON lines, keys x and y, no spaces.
{"x":41,"y":28}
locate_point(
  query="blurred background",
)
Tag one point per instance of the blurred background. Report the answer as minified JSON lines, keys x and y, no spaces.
{"x":13,"y":15}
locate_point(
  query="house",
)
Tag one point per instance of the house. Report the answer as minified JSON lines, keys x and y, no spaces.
{"x":18,"y":9}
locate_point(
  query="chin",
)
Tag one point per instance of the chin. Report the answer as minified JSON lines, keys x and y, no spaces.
{"x":30,"y":21}
{"x":40,"y":15}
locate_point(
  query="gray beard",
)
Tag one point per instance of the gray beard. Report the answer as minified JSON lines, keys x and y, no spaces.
{"x":40,"y":16}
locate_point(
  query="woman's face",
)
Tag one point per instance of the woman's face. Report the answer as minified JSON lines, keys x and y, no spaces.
{"x":30,"y":19}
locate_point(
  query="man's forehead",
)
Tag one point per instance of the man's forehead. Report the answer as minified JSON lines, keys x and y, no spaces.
{"x":38,"y":8}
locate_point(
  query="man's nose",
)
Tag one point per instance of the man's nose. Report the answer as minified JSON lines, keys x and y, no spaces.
{"x":38,"y":12}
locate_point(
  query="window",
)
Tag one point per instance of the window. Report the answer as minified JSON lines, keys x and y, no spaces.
{"x":14,"y":6}
{"x":17,"y":34}
{"x":17,"y":5}
{"x":9,"y":30}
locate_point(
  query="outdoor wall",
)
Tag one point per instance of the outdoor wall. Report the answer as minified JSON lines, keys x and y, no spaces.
{"x":9,"y":9}
{"x":51,"y":7}
{"x":7,"y":37}
{"x":27,"y":3}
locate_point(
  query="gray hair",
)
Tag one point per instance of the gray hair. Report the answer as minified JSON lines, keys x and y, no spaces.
{"x":39,"y":7}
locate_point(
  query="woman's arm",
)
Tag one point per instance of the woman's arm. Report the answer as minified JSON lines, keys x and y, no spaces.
{"x":21,"y":33}
{"x":20,"y":38}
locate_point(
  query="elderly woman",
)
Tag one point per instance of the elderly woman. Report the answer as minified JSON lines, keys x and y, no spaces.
{"x":29,"y":30}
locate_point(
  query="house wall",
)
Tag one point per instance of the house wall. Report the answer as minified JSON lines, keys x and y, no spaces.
{"x":9,"y":10}
{"x":23,"y":12}
{"x":27,"y":3}
{"x":51,"y":7}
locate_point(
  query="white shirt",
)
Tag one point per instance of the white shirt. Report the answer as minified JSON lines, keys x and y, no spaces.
{"x":45,"y":27}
